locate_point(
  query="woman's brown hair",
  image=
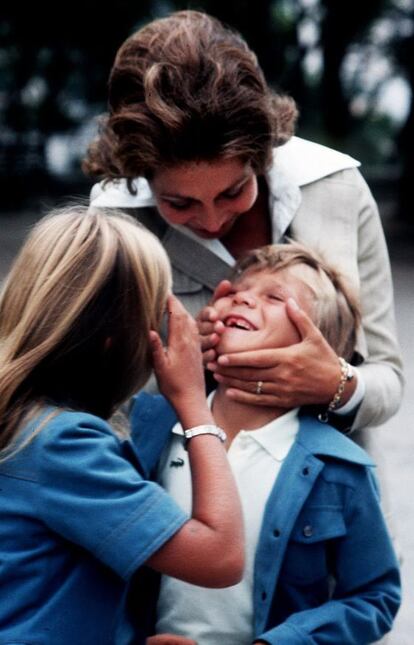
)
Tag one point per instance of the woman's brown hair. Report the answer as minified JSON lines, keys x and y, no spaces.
{"x":186,"y":88}
{"x":75,"y":315}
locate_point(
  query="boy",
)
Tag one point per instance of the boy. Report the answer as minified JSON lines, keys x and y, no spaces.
{"x":320,"y":567}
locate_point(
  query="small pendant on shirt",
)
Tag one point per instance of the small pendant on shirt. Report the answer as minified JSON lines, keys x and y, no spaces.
{"x":177,"y":463}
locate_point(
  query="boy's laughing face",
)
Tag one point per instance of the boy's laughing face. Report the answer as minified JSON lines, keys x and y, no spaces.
{"x":254,"y":313}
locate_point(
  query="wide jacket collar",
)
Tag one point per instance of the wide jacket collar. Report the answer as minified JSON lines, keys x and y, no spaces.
{"x":298,"y":163}
{"x":152,"y":419}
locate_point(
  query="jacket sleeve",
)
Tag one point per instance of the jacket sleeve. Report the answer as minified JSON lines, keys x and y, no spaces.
{"x":339,"y":217}
{"x":367,"y":591}
{"x":382,"y":369}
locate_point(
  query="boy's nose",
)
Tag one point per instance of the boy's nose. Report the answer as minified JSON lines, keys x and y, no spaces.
{"x":244,"y":298}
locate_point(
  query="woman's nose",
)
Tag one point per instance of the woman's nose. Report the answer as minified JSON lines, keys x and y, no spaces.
{"x":244,"y":298}
{"x":212,"y":220}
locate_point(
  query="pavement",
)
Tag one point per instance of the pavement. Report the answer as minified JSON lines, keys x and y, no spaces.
{"x":395,"y":439}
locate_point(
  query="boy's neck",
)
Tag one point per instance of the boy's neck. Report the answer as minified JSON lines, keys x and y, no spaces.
{"x":234,"y":416}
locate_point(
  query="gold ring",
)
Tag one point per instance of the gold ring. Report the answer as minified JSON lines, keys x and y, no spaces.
{"x":259,"y":387}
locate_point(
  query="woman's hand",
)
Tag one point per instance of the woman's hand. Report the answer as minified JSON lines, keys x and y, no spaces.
{"x":169,"y":639}
{"x":209,"y":327}
{"x":178,"y":366}
{"x":306,"y":373}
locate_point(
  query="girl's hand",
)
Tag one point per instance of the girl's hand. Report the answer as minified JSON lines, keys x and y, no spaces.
{"x":169,"y":639}
{"x":209,"y":327}
{"x":178,"y":366}
{"x":306,"y":373}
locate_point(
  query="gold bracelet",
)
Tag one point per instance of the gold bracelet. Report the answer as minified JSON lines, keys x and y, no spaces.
{"x":346,"y":375}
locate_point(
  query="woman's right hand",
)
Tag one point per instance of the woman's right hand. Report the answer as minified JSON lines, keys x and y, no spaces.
{"x":209,"y":326}
{"x":178,"y":366}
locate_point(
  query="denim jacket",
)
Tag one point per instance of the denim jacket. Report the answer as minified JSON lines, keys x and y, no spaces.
{"x":325,"y":568}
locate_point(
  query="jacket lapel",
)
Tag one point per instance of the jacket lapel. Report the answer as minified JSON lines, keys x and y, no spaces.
{"x":194,"y":260}
{"x":151,"y":421}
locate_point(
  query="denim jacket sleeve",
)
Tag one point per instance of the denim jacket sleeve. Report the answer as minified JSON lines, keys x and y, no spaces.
{"x":366,"y":595}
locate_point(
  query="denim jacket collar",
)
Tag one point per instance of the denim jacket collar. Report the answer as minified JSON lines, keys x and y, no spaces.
{"x":152,"y":419}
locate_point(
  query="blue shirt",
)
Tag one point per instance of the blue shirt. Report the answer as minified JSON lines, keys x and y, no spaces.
{"x":76,"y":521}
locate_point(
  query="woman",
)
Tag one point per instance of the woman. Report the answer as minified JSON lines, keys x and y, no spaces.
{"x":199,"y":148}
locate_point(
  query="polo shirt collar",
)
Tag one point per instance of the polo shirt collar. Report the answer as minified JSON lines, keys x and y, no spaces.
{"x":277,"y":436}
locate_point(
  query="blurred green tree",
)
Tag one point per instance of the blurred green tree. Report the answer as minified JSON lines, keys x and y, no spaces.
{"x":55,"y":60}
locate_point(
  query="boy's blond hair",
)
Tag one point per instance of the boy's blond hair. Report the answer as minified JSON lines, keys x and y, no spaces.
{"x":336,"y":310}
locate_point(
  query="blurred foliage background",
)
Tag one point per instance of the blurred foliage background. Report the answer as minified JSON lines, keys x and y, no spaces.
{"x":349,"y":65}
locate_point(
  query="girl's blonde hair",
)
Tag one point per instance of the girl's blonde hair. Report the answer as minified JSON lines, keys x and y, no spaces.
{"x":335,"y":310}
{"x":75,"y":314}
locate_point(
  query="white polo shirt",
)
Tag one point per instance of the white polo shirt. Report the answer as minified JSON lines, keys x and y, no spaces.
{"x":215,"y":616}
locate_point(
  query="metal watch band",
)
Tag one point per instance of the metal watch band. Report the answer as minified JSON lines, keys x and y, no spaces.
{"x":205,"y":429}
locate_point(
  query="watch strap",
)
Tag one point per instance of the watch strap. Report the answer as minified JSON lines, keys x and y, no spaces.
{"x":205,"y":429}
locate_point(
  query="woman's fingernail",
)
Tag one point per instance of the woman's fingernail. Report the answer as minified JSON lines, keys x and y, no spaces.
{"x":223,"y":360}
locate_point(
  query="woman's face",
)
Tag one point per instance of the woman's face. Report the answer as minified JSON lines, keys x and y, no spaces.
{"x":206,"y":197}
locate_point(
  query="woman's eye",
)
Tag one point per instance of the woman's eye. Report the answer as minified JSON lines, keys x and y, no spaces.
{"x":178,"y":206}
{"x":232,"y":194}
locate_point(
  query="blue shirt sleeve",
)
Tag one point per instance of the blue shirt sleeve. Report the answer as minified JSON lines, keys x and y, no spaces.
{"x":92,"y":494}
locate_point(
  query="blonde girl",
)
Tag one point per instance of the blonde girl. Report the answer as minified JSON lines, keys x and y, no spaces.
{"x":79,"y":317}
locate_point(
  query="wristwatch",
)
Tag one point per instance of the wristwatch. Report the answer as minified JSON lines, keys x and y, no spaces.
{"x":205,"y":429}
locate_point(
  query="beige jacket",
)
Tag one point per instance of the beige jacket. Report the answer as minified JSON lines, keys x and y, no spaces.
{"x":319,"y":197}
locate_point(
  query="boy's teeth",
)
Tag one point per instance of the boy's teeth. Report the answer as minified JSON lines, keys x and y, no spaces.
{"x":238,"y":323}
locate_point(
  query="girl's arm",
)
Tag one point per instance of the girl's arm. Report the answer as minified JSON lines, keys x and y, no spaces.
{"x":208,"y":550}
